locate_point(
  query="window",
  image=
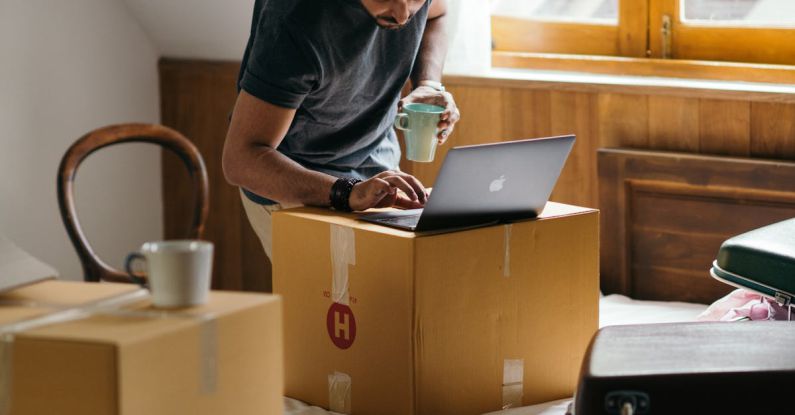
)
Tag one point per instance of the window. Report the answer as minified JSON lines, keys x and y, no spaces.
{"x":753,"y":31}
{"x":556,"y":26}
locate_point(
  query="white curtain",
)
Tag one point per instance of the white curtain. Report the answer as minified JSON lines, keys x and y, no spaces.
{"x":469,"y":31}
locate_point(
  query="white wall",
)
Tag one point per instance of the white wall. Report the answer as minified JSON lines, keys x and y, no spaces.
{"x":206,"y":29}
{"x":67,"y":67}
{"x":219,"y":30}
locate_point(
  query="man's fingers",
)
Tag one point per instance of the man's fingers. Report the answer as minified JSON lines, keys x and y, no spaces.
{"x":379,"y":189}
{"x":403,"y":185}
{"x":388,"y":200}
{"x":382,"y":187}
{"x":404,"y":202}
{"x":454,"y":116}
{"x":386,"y":185}
{"x":418,"y":187}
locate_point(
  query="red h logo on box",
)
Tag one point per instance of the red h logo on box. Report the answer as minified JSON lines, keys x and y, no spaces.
{"x":341,"y":325}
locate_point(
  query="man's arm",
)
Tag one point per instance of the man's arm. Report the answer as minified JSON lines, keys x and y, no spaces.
{"x":433,"y":48}
{"x":429,"y":67}
{"x":250,"y":160}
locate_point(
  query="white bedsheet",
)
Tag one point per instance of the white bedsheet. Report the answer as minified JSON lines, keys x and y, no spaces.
{"x":613,"y":310}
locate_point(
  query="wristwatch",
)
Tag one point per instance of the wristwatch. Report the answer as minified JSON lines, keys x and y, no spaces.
{"x":433,"y":84}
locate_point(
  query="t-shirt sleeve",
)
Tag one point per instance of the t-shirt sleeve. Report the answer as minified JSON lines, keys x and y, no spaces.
{"x":282,"y":68}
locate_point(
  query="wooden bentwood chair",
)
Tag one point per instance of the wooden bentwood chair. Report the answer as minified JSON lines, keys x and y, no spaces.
{"x":94,"y":268}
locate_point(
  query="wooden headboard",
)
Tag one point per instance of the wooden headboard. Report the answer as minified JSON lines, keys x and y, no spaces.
{"x":664,"y":216}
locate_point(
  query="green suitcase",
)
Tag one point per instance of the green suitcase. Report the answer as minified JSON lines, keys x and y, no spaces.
{"x":762,"y":260}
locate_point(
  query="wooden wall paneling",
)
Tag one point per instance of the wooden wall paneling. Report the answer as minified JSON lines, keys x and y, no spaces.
{"x":677,"y":229}
{"x":623,"y":120}
{"x":664,"y":216}
{"x":526,"y":114}
{"x":673,"y":123}
{"x":773,"y":130}
{"x":612,"y":225}
{"x":725,"y":127}
{"x":570,"y":113}
{"x":196,"y":99}
{"x":595,"y":138}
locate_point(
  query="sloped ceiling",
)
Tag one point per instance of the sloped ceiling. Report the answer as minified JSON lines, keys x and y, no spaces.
{"x":201,"y":29}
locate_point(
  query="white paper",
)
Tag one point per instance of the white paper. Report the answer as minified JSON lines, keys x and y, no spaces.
{"x":18,"y":268}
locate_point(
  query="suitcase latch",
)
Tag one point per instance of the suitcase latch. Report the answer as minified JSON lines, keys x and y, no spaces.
{"x":627,"y":402}
{"x":783,"y":300}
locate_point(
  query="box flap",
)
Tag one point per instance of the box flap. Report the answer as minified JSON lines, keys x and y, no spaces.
{"x":64,"y":293}
{"x":40,"y":299}
{"x":142,"y":321}
{"x":345,"y":219}
{"x":556,"y":210}
{"x":551,"y":210}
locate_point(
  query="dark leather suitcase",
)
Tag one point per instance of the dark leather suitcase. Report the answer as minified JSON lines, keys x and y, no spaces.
{"x":762,"y":260}
{"x":689,"y":368}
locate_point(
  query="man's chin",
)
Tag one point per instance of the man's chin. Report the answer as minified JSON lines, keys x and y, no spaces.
{"x":390,"y":26}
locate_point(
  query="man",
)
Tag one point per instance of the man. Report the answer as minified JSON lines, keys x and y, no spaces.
{"x":319,"y":89}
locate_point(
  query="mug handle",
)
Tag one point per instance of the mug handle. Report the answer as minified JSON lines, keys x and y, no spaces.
{"x":402,"y":121}
{"x":137,"y":279}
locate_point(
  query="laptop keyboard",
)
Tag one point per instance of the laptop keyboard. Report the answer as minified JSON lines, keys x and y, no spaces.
{"x":409,"y":221}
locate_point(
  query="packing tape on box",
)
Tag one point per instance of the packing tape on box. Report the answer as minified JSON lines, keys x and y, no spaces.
{"x":30,"y":303}
{"x":208,"y":336}
{"x":512,"y":383}
{"x":339,"y":392}
{"x":343,"y":254}
{"x":506,"y":259}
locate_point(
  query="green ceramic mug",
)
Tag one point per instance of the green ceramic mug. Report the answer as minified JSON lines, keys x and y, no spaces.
{"x":419,"y":124}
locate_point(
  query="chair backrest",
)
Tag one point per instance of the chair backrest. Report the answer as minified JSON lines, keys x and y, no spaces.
{"x":93,"y":267}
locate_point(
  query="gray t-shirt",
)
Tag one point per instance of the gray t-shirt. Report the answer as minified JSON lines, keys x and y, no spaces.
{"x":329,"y":60}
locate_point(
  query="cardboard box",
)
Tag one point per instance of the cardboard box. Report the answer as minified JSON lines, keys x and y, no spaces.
{"x":382,"y":321}
{"x":83,"y":348}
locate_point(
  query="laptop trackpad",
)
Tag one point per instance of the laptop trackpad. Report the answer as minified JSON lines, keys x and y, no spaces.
{"x":406,"y":219}
{"x":395,"y":213}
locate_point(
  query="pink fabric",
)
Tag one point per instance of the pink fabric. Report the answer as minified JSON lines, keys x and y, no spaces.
{"x":742,"y":304}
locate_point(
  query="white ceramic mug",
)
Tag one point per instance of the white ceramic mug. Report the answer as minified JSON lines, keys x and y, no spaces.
{"x":178,"y":272}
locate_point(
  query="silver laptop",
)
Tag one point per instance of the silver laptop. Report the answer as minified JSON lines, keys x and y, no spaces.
{"x":486,"y":184}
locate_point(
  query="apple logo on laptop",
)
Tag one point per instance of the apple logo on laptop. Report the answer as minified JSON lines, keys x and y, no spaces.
{"x":496,"y":185}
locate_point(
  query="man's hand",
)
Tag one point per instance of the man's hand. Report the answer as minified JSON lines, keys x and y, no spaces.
{"x":387,"y":189}
{"x":428,"y":95}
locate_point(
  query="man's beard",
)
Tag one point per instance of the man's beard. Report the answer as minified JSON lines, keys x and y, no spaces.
{"x":389,"y":22}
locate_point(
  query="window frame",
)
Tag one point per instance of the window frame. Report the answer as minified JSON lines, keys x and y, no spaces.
{"x":638,"y":34}
{"x":712,"y":42}
{"x":626,"y":38}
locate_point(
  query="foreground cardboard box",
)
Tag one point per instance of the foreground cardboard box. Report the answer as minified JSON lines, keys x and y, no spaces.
{"x":382,"y":321}
{"x":223,"y":357}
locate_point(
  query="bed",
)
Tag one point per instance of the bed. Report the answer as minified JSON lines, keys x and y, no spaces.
{"x":663,"y":218}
